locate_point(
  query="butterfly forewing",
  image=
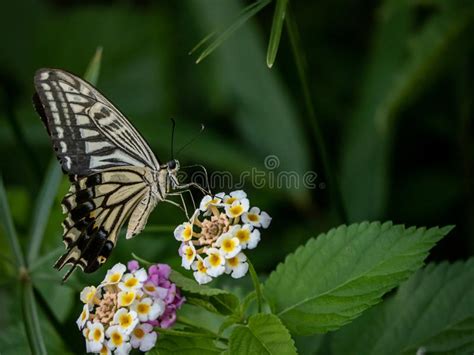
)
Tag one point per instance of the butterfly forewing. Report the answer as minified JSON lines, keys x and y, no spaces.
{"x":88,"y":133}
{"x":112,"y":169}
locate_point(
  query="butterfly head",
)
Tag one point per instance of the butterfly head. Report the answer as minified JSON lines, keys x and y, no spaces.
{"x":173,"y":167}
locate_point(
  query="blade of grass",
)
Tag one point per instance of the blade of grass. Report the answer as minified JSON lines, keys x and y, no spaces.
{"x":42,"y":209}
{"x":246,"y":14}
{"x":45,"y":258}
{"x":275,"y":34}
{"x":9,"y":229}
{"x":31,"y":320}
{"x":93,"y":69}
{"x":299,"y":58}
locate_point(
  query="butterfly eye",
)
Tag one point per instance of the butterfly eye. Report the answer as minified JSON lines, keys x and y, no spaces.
{"x":172,"y":164}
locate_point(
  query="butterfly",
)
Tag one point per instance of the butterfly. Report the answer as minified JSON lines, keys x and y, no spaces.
{"x":113,"y":172}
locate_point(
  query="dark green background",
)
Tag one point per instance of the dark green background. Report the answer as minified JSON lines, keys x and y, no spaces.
{"x":391,"y":83}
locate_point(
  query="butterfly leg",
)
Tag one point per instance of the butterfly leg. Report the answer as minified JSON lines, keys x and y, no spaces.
{"x":181,"y":193}
{"x":182,"y":208}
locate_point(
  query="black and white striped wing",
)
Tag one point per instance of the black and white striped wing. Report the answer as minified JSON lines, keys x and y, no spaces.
{"x":96,"y":207}
{"x":110,"y":165}
{"x":88,"y":133}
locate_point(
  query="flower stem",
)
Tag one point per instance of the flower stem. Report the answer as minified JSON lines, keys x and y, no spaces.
{"x":256,"y":285}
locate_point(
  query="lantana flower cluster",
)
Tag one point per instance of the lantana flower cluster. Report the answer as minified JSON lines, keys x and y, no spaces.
{"x":213,"y":240}
{"x":122,"y":311}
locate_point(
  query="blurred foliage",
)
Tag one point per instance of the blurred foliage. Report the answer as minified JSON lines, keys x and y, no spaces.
{"x":391,"y":83}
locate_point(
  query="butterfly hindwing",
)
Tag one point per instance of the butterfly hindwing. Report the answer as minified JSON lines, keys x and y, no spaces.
{"x":96,"y":207}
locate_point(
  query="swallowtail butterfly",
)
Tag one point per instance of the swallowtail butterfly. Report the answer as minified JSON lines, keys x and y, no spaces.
{"x":114,"y":174}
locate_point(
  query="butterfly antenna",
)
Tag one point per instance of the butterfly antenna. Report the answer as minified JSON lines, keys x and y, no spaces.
{"x":192,"y":140}
{"x":173,"y":122}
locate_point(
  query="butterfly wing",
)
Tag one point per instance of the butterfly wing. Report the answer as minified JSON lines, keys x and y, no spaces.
{"x":88,"y":133}
{"x":109,"y":164}
{"x":96,"y":207}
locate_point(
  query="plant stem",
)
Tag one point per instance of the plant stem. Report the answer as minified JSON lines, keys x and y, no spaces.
{"x":31,"y":319}
{"x":321,"y":145}
{"x":256,"y":285}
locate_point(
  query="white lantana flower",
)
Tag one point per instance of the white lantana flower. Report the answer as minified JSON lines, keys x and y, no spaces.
{"x":229,"y":245}
{"x":126,"y":320}
{"x":237,"y":266}
{"x":209,"y":201}
{"x":184,"y":232}
{"x":233,"y":196}
{"x":247,"y":235}
{"x":257,"y":218}
{"x":200,"y":273}
{"x":214,"y":262}
{"x":143,"y":337}
{"x":88,"y":295}
{"x":115,"y":274}
{"x":83,"y":318}
{"x":237,"y":208}
{"x":105,"y":350}
{"x":147,"y":309}
{"x":189,"y":254}
{"x":95,"y":336}
{"x":133,"y":280}
{"x":117,"y":338}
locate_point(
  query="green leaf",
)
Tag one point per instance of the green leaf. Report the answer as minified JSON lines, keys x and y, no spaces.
{"x":335,"y":277}
{"x":402,"y":63}
{"x":31,"y":320}
{"x":169,"y":344}
{"x":264,"y":334}
{"x":246,"y":14}
{"x":275,"y":35}
{"x":42,"y":208}
{"x":433,"y":310}
{"x":9,"y":228}
{"x":93,"y":69}
{"x":213,"y":299}
{"x":191,"y":286}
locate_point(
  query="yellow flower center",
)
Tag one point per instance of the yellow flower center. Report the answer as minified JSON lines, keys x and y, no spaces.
{"x":228,"y":245}
{"x":117,"y":339}
{"x":252,"y":217}
{"x":127,"y":298}
{"x":215,"y":259}
{"x":233,"y":261}
{"x":125,"y":320}
{"x":143,"y":308}
{"x":243,"y":235}
{"x":230,"y":200}
{"x":131,"y":282}
{"x":187,"y":234}
{"x":236,"y":210}
{"x":104,"y":350}
{"x":189,"y":253}
{"x":150,"y":288}
{"x":114,"y":278}
{"x":97,"y":334}
{"x":139,"y":333}
{"x":201,"y":267}
{"x":90,"y":295}
{"x":83,"y":315}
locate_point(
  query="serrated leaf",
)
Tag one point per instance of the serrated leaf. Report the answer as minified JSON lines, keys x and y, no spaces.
{"x":189,"y":285}
{"x":213,"y":299}
{"x":433,"y":310}
{"x":185,"y":346}
{"x":264,"y":334}
{"x":335,"y":277}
